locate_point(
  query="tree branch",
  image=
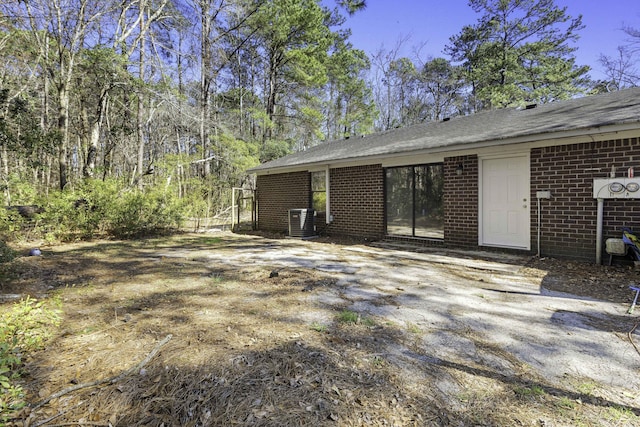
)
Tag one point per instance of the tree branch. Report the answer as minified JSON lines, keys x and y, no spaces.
{"x":111,"y":380}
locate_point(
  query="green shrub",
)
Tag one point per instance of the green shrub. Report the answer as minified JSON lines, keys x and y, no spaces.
{"x":138,"y":213}
{"x":78,"y":214}
{"x":24,"y":328}
{"x":6,"y":253}
{"x":11,"y":224}
{"x":99,"y":208}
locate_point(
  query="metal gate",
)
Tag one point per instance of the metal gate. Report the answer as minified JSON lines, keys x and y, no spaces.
{"x":243,"y":204}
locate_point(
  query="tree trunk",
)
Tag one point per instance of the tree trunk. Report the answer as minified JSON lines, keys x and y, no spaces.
{"x":205,"y":82}
{"x":94,"y":137}
{"x":139,"y":118}
{"x":63,"y":115}
{"x":271,"y":100}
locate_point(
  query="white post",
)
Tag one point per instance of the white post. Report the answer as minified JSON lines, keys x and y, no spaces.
{"x":233,"y":203}
{"x":539,"y":216}
{"x":599,"y":231}
{"x":328,"y":193}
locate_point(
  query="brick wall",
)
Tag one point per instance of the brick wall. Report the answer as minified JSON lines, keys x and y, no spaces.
{"x":357,"y":201}
{"x":276,"y":194}
{"x":568,"y":220}
{"x":461,"y":202}
{"x":568,"y":225}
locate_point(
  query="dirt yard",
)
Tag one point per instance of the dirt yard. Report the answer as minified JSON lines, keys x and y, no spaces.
{"x":219,"y":329}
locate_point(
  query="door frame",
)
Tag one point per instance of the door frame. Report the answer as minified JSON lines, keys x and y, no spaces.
{"x":527,"y":176}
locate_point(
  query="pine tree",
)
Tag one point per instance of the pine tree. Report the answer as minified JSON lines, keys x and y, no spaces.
{"x":519,"y":52}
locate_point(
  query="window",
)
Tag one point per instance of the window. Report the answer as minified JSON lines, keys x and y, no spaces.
{"x":414,"y":201}
{"x":319,"y":191}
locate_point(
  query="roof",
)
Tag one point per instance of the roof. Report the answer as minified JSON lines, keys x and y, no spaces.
{"x":494,"y":127}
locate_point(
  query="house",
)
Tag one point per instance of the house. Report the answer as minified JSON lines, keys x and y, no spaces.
{"x":516,"y":179}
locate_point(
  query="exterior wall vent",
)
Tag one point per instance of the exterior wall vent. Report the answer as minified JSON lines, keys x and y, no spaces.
{"x":301,"y":223}
{"x":530,"y":106}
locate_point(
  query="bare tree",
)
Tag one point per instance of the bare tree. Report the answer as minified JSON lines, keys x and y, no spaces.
{"x":620,"y":70}
{"x":383,"y":85}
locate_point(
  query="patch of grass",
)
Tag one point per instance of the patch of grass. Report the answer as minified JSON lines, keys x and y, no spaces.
{"x":565,"y":403}
{"x":210,"y":240}
{"x":378,"y":362}
{"x":413,"y":328}
{"x":352,"y":317}
{"x":348,"y":316}
{"x":217,"y":278}
{"x":82,"y":289}
{"x":88,"y":330}
{"x":366,"y":321}
{"x":24,"y":328}
{"x":529,"y":392}
{"x":318,"y":327}
{"x":587,"y":388}
{"x":620,"y":414}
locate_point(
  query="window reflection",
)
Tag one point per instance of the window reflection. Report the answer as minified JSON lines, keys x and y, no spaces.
{"x":414,"y":201}
{"x":318,"y":191}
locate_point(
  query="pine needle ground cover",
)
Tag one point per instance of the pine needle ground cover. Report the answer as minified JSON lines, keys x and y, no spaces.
{"x":157,"y":332}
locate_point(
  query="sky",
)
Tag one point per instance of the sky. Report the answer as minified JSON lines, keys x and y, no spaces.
{"x":431,"y":23}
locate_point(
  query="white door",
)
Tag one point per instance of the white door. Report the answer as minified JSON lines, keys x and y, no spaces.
{"x":505,"y":203}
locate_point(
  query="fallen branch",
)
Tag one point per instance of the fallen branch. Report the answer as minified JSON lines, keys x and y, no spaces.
{"x":111,"y":380}
{"x":59,"y":414}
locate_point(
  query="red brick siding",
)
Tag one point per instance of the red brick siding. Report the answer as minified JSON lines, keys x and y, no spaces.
{"x":461,"y":202}
{"x":276,"y":194}
{"x":568,"y":224}
{"x":568,"y":220}
{"x":357,"y":201}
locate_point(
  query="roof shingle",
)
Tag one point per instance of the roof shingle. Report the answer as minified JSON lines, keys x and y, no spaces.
{"x":497,"y":127}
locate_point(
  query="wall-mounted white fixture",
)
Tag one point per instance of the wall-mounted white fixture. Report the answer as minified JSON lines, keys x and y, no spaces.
{"x":545,"y":194}
{"x":616,"y":188}
{"x":611,"y":188}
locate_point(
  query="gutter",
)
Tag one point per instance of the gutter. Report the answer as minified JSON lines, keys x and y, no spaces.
{"x":535,"y":141}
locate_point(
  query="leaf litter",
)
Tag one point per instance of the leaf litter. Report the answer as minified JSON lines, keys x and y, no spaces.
{"x":257,"y":349}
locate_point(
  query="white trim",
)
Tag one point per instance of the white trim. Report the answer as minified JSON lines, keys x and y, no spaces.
{"x":327,"y":189}
{"x":318,"y":168}
{"x":422,"y":159}
{"x":494,"y":156}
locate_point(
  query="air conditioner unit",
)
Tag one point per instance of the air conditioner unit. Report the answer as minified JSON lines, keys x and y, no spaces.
{"x":301,"y":223}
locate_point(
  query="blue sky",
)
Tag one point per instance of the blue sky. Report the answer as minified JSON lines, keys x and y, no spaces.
{"x":385,"y":22}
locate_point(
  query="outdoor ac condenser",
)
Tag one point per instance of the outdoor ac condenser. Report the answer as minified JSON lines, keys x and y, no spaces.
{"x":301,"y":223}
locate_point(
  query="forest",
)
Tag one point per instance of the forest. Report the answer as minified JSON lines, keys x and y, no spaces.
{"x":123,"y":117}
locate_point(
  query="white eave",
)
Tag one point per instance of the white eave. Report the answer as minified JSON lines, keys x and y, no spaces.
{"x":526,"y":142}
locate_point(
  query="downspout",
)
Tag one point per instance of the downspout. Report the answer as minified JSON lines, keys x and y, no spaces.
{"x":328,"y":216}
{"x":539,"y":216}
{"x":545,"y":194}
{"x":599,"y":231}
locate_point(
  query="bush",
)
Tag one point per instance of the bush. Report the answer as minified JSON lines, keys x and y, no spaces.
{"x":6,"y":253}
{"x":26,"y":327}
{"x":138,"y":213}
{"x":12,"y":224}
{"x":99,"y":208}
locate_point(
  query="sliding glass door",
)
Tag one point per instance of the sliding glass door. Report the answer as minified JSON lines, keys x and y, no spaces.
{"x":414,"y":201}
